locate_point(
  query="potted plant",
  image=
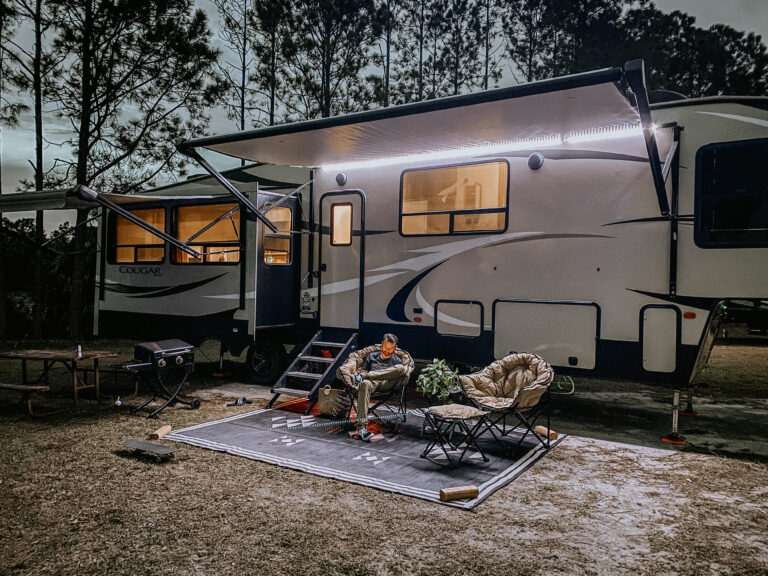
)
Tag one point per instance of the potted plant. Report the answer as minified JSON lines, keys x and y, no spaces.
{"x":437,"y":380}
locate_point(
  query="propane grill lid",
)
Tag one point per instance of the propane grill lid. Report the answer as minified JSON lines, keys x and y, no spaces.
{"x":149,"y":351}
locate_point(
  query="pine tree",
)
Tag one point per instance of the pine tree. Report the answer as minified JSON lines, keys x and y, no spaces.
{"x":235,"y":19}
{"x":137,"y":77}
{"x":491,"y":43}
{"x":329,"y":46}
{"x":528,"y":33}
{"x":388,"y":29}
{"x":460,"y":55}
{"x":270,"y":25}
{"x":28,"y":68}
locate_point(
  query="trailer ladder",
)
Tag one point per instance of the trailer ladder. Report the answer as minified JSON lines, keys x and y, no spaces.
{"x":313,"y":368}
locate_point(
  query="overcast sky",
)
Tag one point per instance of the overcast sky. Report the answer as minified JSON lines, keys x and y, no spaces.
{"x":17,"y":145}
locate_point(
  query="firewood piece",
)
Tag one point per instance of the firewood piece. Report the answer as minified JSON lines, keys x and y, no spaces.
{"x":458,"y":492}
{"x":160,"y":432}
{"x":542,"y":431}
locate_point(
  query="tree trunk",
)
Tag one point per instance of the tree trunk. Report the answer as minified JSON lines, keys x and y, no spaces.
{"x":388,"y":56}
{"x":273,"y":79}
{"x":81,"y":175}
{"x":37,"y":88}
{"x":421,"y":54}
{"x":487,"y":42}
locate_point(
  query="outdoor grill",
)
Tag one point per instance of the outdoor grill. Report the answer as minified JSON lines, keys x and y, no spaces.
{"x":165,"y":360}
{"x":162,"y":356}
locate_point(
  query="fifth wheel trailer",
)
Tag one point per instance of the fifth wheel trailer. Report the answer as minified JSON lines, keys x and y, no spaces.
{"x":567,"y":217}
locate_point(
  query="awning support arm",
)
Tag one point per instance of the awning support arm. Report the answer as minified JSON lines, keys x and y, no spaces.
{"x":634,"y":72}
{"x":670,"y":158}
{"x":212,"y":224}
{"x":242,"y":198}
{"x":91,"y":195}
{"x":285,"y":198}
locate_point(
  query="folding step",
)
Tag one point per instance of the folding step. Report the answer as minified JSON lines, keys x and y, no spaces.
{"x":290,"y":391}
{"x":316,"y":380}
{"x":307,"y":375}
{"x":316,"y":359}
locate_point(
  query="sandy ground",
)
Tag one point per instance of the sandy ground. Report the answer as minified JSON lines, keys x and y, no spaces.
{"x":74,"y":501}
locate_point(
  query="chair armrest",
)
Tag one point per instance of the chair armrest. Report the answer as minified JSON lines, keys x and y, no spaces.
{"x":531,"y":395}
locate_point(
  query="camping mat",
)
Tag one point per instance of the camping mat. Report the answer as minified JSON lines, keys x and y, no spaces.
{"x":392,"y":462}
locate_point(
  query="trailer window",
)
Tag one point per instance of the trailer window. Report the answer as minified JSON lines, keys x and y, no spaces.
{"x":277,"y":247}
{"x":732,"y":195}
{"x":219,"y":244}
{"x":134,"y":244}
{"x":341,"y":224}
{"x":462,"y":199}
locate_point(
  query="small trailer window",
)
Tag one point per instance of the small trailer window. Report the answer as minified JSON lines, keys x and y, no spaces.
{"x":463,"y":199}
{"x":277,"y":247}
{"x":341,"y":224}
{"x":219,"y":244}
{"x":732,"y":195}
{"x":132,"y":243}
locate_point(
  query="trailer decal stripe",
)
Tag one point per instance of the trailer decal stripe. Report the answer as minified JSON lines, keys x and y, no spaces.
{"x":700,"y":302}
{"x":396,"y":306}
{"x":740,"y":118}
{"x":179,"y":288}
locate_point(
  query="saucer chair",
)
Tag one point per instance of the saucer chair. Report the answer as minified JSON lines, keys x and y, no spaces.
{"x":515,"y":386}
{"x":396,"y":411}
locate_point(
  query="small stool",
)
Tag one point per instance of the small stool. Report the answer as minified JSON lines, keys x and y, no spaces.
{"x":454,"y":432}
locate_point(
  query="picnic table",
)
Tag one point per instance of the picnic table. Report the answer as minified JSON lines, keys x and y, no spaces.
{"x":68,"y":358}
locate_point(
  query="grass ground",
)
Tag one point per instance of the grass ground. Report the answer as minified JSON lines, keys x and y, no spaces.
{"x":610,"y":499}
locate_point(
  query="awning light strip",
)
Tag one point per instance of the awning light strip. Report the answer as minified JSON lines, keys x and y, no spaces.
{"x":593,"y":135}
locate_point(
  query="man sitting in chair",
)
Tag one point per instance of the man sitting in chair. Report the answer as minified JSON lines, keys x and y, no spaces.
{"x":378,"y":360}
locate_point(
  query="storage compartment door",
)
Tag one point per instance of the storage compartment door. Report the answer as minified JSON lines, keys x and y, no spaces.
{"x":563,"y":333}
{"x":660,"y":337}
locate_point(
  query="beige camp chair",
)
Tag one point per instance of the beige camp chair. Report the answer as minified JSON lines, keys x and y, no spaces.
{"x":379,"y":398}
{"x":517,"y":385}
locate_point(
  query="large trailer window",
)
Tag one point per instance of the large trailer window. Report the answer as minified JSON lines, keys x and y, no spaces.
{"x":277,"y":247}
{"x":461,"y":199}
{"x":732,"y":195}
{"x":219,"y":244}
{"x":133,"y":244}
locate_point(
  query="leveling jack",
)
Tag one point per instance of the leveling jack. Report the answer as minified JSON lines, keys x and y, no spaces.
{"x":673,"y":437}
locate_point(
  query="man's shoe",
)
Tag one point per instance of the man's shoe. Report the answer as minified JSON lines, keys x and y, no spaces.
{"x":364,"y":434}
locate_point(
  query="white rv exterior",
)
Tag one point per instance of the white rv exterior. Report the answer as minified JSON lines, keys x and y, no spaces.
{"x":525,"y":219}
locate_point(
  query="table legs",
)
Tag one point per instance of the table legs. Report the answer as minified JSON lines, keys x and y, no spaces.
{"x":80,"y":383}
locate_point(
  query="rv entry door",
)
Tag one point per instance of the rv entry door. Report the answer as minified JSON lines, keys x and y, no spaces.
{"x":342,"y":257}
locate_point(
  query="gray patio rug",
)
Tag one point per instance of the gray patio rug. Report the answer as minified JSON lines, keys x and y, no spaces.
{"x":392,"y":462}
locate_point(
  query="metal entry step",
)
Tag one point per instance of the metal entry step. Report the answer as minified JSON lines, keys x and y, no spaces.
{"x":309,"y":372}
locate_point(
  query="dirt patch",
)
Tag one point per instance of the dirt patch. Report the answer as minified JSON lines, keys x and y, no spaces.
{"x":74,"y":501}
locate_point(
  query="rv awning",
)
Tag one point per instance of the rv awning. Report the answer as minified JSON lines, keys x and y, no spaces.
{"x":545,"y":109}
{"x":67,"y":199}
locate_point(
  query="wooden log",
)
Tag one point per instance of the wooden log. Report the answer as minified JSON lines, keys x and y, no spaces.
{"x":160,"y":432}
{"x":542,"y":431}
{"x":459,"y":492}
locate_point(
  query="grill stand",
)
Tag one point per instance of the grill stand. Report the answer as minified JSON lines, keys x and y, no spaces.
{"x":161,"y":390}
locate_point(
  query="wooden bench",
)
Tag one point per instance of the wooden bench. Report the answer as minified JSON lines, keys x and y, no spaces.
{"x":26,"y":391}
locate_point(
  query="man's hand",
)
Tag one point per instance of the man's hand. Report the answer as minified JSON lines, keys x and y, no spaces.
{"x":358,"y":379}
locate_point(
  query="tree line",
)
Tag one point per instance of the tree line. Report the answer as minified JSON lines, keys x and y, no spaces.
{"x":113,"y":84}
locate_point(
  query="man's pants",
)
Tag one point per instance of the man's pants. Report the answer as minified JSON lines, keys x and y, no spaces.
{"x":364,"y":391}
